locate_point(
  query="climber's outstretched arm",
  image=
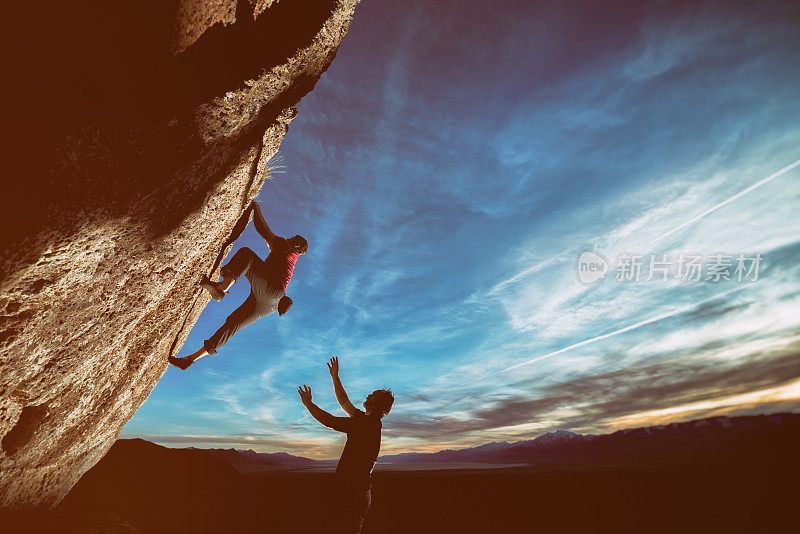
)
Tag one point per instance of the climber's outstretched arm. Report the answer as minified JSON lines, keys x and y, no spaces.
{"x":261,"y":225}
{"x":338,"y":389}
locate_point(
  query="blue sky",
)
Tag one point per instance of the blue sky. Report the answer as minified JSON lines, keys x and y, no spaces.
{"x":449,"y":169}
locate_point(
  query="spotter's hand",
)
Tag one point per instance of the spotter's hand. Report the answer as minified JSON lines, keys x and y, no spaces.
{"x":333,"y":366}
{"x":305,"y":394}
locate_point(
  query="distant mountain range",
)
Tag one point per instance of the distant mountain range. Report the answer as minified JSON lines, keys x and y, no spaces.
{"x":249,"y":460}
{"x":716,"y":437}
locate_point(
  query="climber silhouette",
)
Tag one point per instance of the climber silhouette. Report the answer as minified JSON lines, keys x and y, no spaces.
{"x":354,"y":471}
{"x":268,"y":280}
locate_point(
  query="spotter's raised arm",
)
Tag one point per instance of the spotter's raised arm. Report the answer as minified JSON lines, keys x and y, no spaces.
{"x":338,"y":389}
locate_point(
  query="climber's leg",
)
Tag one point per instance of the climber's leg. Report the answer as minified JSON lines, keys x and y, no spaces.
{"x":243,"y":316}
{"x":215,"y":288}
{"x":193,"y":357}
{"x":225,"y":282}
{"x":240,"y":264}
{"x":186,"y":361}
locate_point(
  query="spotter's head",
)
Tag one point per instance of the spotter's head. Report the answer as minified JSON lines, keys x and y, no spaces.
{"x":299,"y":245}
{"x":379,"y":402}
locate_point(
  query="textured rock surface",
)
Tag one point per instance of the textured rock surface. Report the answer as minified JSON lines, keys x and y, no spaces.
{"x":136,"y":137}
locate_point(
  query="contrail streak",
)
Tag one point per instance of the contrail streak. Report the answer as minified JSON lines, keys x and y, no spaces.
{"x":606,"y":336}
{"x":731,"y":199}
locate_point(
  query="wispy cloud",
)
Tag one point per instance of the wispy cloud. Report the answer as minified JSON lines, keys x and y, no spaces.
{"x":595,"y":339}
{"x":728,"y":200}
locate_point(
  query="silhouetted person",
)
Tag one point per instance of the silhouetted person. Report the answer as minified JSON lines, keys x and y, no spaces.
{"x":358,"y":458}
{"x":268,"y":280}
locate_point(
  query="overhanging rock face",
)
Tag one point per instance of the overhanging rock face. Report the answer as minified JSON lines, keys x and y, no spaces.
{"x":137,"y":135}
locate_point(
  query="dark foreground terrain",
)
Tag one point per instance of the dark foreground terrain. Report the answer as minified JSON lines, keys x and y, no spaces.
{"x":747,"y":485}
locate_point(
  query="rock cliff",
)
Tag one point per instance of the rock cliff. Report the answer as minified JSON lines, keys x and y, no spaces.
{"x":136,"y":134}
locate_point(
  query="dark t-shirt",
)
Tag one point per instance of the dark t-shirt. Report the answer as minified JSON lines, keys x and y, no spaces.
{"x":361,"y":450}
{"x":280,"y":263}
